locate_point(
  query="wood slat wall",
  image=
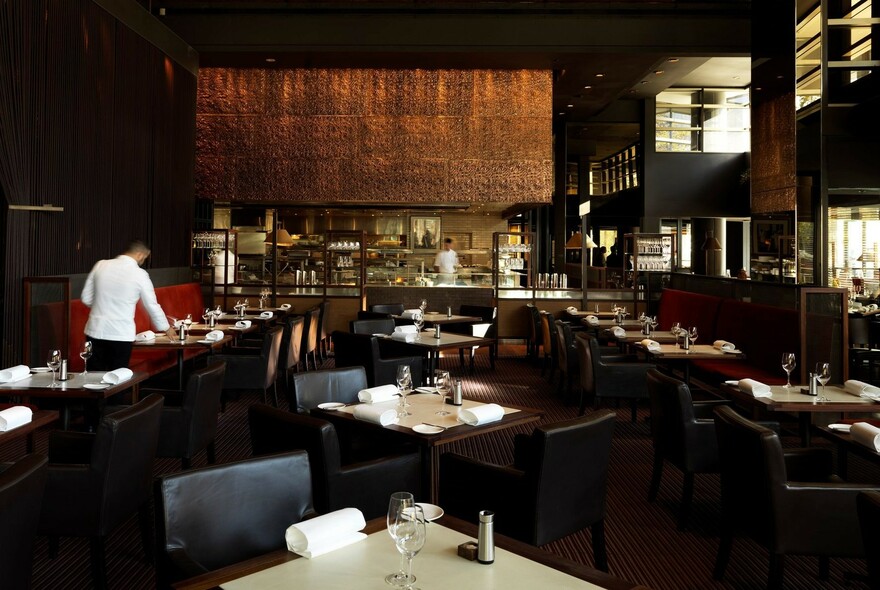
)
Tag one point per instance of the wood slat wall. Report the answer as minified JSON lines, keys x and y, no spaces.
{"x":95,"y":119}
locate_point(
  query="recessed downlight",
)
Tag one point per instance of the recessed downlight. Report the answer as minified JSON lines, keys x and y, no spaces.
{"x":270,"y":60}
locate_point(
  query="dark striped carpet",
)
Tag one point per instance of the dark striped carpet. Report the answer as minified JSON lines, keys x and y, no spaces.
{"x":644,"y":544}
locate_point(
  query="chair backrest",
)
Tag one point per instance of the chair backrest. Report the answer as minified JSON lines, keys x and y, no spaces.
{"x":373,"y":326}
{"x":534,"y":323}
{"x":860,"y":332}
{"x":868,"y":505}
{"x":21,"y":493}
{"x":277,"y":431}
{"x":487,"y":312}
{"x":201,"y":404}
{"x":270,"y":351}
{"x":372,"y":315}
{"x":310,"y":330}
{"x":565,"y":346}
{"x":354,"y":350}
{"x":330,"y":385}
{"x":122,"y":460}
{"x":216,"y":516}
{"x":392,"y":308}
{"x":564,"y":504}
{"x":671,"y":408}
{"x":585,"y":363}
{"x":294,"y":341}
{"x":548,"y":334}
{"x":324,"y":319}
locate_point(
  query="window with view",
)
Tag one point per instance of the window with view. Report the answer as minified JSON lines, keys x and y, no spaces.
{"x":703,"y":120}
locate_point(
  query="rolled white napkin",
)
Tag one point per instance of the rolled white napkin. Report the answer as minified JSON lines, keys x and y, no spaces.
{"x":326,"y":533}
{"x":16,"y":373}
{"x":284,"y":306}
{"x":244,"y":324}
{"x":618,"y":332}
{"x":214,"y":335}
{"x":266,"y":315}
{"x":481,"y":414}
{"x":146,"y":335}
{"x":872,"y":307}
{"x":411,"y":314}
{"x":404,"y":337}
{"x":117,"y":376}
{"x":571,"y":309}
{"x":862,"y":389}
{"x":592,"y":320}
{"x":405,"y":330}
{"x":649,"y":344}
{"x":382,"y":416}
{"x":756,"y":388}
{"x":14,"y":417}
{"x":866,"y":434}
{"x":724,"y":345}
{"x":375,"y":395}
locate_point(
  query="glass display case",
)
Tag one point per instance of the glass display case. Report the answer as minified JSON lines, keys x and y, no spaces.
{"x":512,"y":266}
{"x":344,"y":256}
{"x":646,"y":253}
{"x":214,"y":261}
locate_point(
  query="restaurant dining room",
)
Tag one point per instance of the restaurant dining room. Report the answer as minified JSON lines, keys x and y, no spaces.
{"x":439,"y":294}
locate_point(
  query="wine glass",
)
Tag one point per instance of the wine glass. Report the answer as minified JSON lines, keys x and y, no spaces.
{"x":404,"y":381}
{"x":419,"y":323}
{"x":443,"y":384}
{"x":188,"y":320}
{"x":85,"y":354}
{"x":423,"y":305}
{"x":410,"y":533}
{"x":788,"y":365}
{"x":399,"y":502}
{"x":823,"y":376}
{"x":53,"y":361}
{"x":693,"y":334}
{"x":652,"y":321}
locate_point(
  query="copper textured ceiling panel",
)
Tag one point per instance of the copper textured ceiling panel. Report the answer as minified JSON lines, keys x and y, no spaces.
{"x":305,"y":135}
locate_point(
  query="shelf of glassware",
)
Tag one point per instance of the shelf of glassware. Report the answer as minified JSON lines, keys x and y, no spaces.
{"x":214,"y":248}
{"x":511,"y":260}
{"x":649,"y":253}
{"x":344,"y":255}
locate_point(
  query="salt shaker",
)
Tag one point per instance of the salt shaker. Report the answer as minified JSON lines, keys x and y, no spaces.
{"x":182,"y":333}
{"x":437,"y":331}
{"x":814,"y":387}
{"x":456,"y":393}
{"x":448,"y":311}
{"x":63,"y":375}
{"x":486,"y":538}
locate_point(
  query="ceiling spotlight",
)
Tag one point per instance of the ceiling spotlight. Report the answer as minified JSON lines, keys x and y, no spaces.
{"x":779,"y":77}
{"x":562,"y":113}
{"x":658,"y":72}
{"x":570,"y":106}
{"x":600,"y":75}
{"x":587,"y":87}
{"x":673,"y":60}
{"x":270,"y":60}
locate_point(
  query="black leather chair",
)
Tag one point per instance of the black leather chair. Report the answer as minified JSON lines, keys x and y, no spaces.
{"x":389,"y":308}
{"x":566,"y":358}
{"x":21,"y":493}
{"x":374,"y":326}
{"x":535,"y":339}
{"x":330,"y":385}
{"x":289,"y":354}
{"x":786,"y":500}
{"x":373,"y":315}
{"x":683,"y":433}
{"x":864,"y":361}
{"x":248,"y":368}
{"x":215,"y":516}
{"x":309,"y":346}
{"x":335,"y":485}
{"x":96,"y":481}
{"x":539,"y":498}
{"x":362,"y":350}
{"x":323,"y":332}
{"x":601,"y":379}
{"x":488,"y":328}
{"x":191,"y":427}
{"x":549,"y":345}
{"x":868,"y":507}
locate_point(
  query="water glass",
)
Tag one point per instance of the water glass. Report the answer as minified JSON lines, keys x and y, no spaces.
{"x":404,"y":382}
{"x":444,"y":386}
{"x":410,"y":534}
{"x":85,"y":354}
{"x":53,"y":361}
{"x":823,"y":376}
{"x":788,"y":365}
{"x":400,"y":502}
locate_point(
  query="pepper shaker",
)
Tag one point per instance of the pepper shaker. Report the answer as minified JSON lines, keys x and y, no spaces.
{"x":486,"y":538}
{"x":456,"y":393}
{"x":449,"y":311}
{"x":437,"y":331}
{"x":63,"y":375}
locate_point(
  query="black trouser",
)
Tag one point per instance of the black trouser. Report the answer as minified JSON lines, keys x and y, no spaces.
{"x":109,"y":355}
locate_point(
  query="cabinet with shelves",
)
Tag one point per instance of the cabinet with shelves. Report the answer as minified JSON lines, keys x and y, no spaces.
{"x":344,"y":256}
{"x":214,"y":256}
{"x":648,"y":259}
{"x":512,"y":266}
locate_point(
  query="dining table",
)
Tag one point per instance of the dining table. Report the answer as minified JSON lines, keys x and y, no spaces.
{"x":78,"y":388}
{"x":437,"y":430}
{"x":432,"y":346}
{"x":674,"y":356}
{"x":435,"y":318}
{"x":365,"y":563}
{"x":39,"y":419}
{"x":633,"y":336}
{"x":196,"y":344}
{"x":846,"y":446}
{"x":793,"y":399}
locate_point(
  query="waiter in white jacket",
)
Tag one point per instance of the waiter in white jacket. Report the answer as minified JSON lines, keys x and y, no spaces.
{"x":112,"y":291}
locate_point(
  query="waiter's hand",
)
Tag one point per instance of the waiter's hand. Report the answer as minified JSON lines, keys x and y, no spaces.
{"x":171,"y":333}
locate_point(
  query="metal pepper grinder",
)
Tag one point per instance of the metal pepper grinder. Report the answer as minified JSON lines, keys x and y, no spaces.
{"x":486,"y":538}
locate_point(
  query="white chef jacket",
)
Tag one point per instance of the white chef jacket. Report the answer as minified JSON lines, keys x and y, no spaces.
{"x":446,"y":261}
{"x":112,"y":291}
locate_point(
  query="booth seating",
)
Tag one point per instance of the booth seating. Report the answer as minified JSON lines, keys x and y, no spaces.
{"x":762,"y":332}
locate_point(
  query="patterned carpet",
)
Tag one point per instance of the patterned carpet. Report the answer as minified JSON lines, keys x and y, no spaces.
{"x":644,"y":544}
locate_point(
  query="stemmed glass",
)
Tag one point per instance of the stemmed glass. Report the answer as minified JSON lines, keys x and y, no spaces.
{"x":652,"y":321}
{"x":823,"y":376}
{"x":54,"y":362}
{"x":693,"y":335}
{"x":410,"y":533}
{"x":442,"y":382}
{"x":423,"y":305}
{"x":404,"y":382}
{"x":788,"y":365}
{"x":400,"y":502}
{"x":419,"y":323}
{"x":85,"y":354}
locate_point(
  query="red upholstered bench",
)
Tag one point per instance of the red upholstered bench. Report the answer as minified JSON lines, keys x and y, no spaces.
{"x":689,"y":309}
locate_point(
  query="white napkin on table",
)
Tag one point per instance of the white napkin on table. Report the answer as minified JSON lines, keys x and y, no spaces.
{"x":145,"y":335}
{"x":404,"y":337}
{"x":381,"y":416}
{"x":866,"y":434}
{"x":411,"y":314}
{"x":756,"y":388}
{"x":326,"y":533}
{"x":244,"y":324}
{"x":481,"y":414}
{"x":618,"y":332}
{"x":724,"y":345}
{"x":649,"y":344}
{"x":266,"y":315}
{"x":214,"y":335}
{"x":405,"y":330}
{"x":592,"y":320}
{"x":16,"y":373}
{"x":117,"y":376}
{"x":862,"y":389}
{"x":381,"y":393}
{"x":284,"y":306}
{"x":571,"y":309}
{"x":14,"y":417}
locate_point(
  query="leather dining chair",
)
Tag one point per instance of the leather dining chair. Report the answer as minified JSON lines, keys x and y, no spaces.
{"x":216,"y":516}
{"x":21,"y":493}
{"x":487,"y":328}
{"x":335,"y":485}
{"x":390,"y":308}
{"x":372,"y":326}
{"x":549,"y":344}
{"x":329,"y":385}
{"x":289,"y":354}
{"x":535,"y":339}
{"x":323,"y":331}
{"x":248,"y":368}
{"x":566,"y":358}
{"x":362,"y":350}
{"x":187,"y":429}
{"x":537,"y":499}
{"x":309,"y":346}
{"x":601,"y":378}
{"x":786,"y":500}
{"x":868,"y":506}
{"x":97,"y":481}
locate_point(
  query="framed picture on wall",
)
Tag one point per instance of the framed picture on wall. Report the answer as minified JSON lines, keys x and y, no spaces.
{"x":766,"y":234}
{"x":424,"y":233}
